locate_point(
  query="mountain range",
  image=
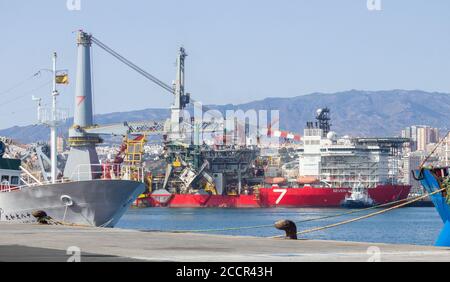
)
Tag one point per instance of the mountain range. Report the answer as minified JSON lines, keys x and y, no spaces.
{"x":354,"y":112}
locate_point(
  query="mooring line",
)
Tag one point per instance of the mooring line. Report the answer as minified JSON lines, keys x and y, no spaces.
{"x":363,"y":217}
{"x":407,"y":202}
{"x":297,"y":222}
{"x":386,"y":210}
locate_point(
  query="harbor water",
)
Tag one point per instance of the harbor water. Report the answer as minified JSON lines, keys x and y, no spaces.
{"x":418,"y":226}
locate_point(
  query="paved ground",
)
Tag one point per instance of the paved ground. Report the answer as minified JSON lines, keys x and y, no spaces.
{"x":50,"y":243}
{"x":15,"y":253}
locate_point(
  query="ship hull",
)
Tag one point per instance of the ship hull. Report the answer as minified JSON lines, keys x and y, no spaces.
{"x":92,"y":203}
{"x":282,"y":197}
{"x":356,"y":204}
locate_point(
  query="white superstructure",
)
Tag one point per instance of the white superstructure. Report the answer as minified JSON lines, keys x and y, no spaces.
{"x":345,"y":162}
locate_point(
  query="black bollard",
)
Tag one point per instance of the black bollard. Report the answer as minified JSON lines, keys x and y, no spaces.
{"x":41,"y":217}
{"x":289,"y":227}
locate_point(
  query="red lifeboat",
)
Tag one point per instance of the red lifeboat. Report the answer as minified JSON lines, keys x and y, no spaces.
{"x":307,"y":180}
{"x":275,"y":180}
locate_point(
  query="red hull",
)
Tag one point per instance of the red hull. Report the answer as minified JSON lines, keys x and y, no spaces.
{"x":282,"y":197}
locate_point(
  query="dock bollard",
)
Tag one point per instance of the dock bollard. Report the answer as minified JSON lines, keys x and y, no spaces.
{"x":289,"y":227}
{"x":41,"y":217}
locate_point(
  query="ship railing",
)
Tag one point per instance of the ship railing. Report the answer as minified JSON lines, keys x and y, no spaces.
{"x":28,"y":178}
{"x":9,"y":189}
{"x":35,"y":184}
{"x":5,"y":186}
{"x":104,"y":172}
{"x":108,"y":172}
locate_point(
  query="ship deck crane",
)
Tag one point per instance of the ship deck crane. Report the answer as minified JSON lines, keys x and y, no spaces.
{"x":181,"y":100}
{"x":132,"y":65}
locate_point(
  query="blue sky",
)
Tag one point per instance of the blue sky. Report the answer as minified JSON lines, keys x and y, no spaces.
{"x":239,"y":51}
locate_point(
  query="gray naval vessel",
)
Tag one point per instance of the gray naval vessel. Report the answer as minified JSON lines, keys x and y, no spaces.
{"x":98,"y":203}
{"x":81,"y":194}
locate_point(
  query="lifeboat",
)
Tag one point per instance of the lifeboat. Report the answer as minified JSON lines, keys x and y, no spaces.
{"x":307,"y":180}
{"x":275,"y":180}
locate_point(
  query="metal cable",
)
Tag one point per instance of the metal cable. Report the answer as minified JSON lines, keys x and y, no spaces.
{"x":297,"y":222}
{"x":17,"y":85}
{"x":132,"y":65}
{"x":365,"y":216}
{"x":25,"y":93}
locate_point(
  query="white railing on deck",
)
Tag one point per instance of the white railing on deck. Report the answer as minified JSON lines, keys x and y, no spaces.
{"x":5,"y":186}
{"x":15,"y":188}
{"x":30,"y":175}
{"x":109,"y":172}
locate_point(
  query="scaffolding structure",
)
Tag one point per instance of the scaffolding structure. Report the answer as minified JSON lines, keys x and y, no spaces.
{"x":134,"y":151}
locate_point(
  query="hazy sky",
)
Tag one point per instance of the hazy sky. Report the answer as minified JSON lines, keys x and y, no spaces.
{"x":239,"y":50}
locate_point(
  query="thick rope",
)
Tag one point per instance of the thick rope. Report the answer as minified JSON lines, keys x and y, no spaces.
{"x":365,"y":216}
{"x":407,"y":202}
{"x":297,"y":222}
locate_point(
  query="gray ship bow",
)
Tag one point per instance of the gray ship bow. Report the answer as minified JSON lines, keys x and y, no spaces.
{"x":92,"y":203}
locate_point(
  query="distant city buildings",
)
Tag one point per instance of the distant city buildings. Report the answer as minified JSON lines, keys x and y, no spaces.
{"x":411,"y":161}
{"x":421,"y":136}
{"x":423,"y":141}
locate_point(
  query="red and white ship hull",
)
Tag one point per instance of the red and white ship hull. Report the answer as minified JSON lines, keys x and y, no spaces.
{"x":278,"y":197}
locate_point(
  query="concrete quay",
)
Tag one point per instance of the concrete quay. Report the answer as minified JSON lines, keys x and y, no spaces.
{"x":22,"y":242}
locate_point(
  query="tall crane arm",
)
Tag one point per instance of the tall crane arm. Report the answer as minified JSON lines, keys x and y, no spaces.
{"x":125,"y":128}
{"x":145,"y":127}
{"x":132,"y":65}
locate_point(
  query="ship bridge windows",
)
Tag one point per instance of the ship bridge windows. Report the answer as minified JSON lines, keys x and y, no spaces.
{"x":313,"y":132}
{"x":10,"y":179}
{"x":312,"y":142}
{"x":14,"y":180}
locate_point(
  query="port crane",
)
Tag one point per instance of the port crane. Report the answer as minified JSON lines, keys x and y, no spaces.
{"x":175,"y":128}
{"x":134,"y":66}
{"x":177,"y":124}
{"x":84,"y":134}
{"x":143,"y":127}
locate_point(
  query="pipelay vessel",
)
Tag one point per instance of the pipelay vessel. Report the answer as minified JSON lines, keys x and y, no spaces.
{"x":323,"y":171}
